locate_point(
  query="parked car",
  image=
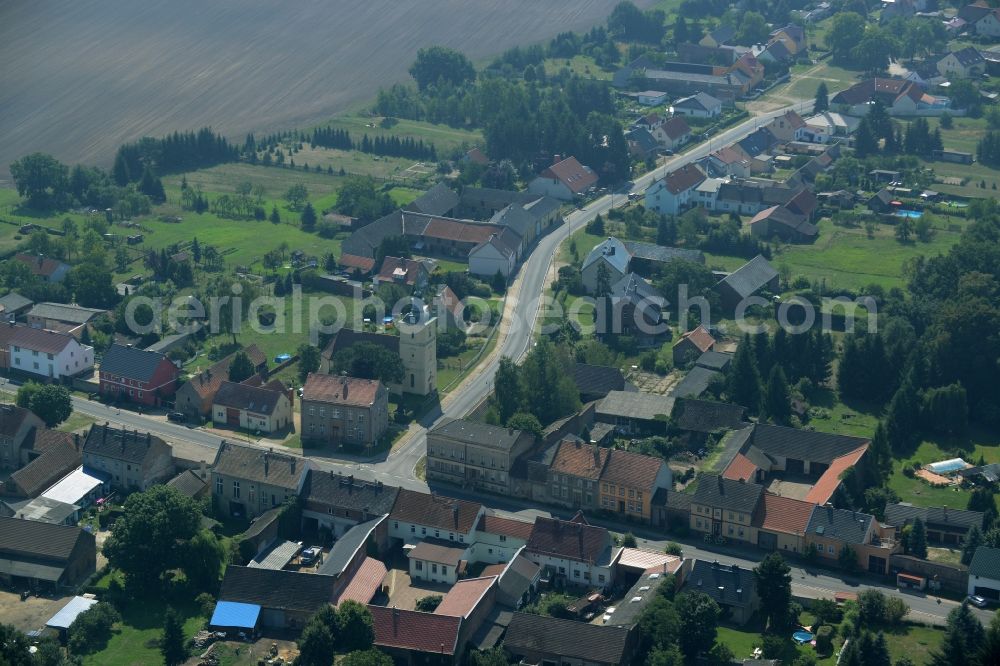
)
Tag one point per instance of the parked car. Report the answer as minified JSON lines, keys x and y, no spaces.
{"x":310,"y":556}
{"x":176,"y":417}
{"x":978,"y":601}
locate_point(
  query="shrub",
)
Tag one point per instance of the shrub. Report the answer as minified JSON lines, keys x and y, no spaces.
{"x":628,"y":540}
{"x":673,"y":548}
{"x":824,"y":640}
{"x":429,"y":603}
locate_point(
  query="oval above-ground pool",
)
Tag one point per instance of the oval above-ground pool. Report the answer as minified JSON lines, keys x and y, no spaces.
{"x":802,"y":637}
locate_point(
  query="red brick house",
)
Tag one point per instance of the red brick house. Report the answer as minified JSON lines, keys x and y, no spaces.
{"x":137,"y":375}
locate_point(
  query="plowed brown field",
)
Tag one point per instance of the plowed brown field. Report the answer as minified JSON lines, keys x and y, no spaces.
{"x":78,"y":78}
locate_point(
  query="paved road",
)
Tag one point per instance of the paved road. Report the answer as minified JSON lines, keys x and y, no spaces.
{"x":515,"y":337}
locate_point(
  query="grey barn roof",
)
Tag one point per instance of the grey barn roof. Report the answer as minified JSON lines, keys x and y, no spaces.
{"x":958,"y":519}
{"x":716,"y":491}
{"x":695,"y":382}
{"x":285,"y":590}
{"x":848,"y":526}
{"x":567,"y":638}
{"x":131,"y":362}
{"x":727,"y":585}
{"x":803,"y":444}
{"x":707,"y":416}
{"x":662,"y":253}
{"x":986,"y":563}
{"x":479,"y":434}
{"x":349,"y":493}
{"x":750,"y":277}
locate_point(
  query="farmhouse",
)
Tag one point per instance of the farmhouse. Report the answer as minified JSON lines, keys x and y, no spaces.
{"x":984,"y":573}
{"x":417,"y":516}
{"x":732,"y":587}
{"x":46,"y":353}
{"x":692,"y":345}
{"x":699,"y":105}
{"x":63,"y":317}
{"x":406,"y":272}
{"x":754,"y":276}
{"x":50,"y":270}
{"x":195,"y":396}
{"x":573,"y":551}
{"x":635,"y":413}
{"x":282,"y":599}
{"x":17,"y":431}
{"x":475,"y":455}
{"x":133,"y":460}
{"x":780,"y":222}
{"x":538,"y":639}
{"x":964,"y":64}
{"x":497,"y":254}
{"x":565,"y":179}
{"x":900,"y":97}
{"x":255,"y":408}
{"x":45,"y":553}
{"x":337,"y":502}
{"x":943,"y":525}
{"x":247,"y":481}
{"x":672,"y":193}
{"x":137,"y":375}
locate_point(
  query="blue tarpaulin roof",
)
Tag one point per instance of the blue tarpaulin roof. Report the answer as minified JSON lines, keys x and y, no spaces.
{"x":233,"y":614}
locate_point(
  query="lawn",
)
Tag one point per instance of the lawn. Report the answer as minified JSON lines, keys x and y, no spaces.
{"x":916,"y":491}
{"x":76,"y":422}
{"x":806,"y":78}
{"x":910,"y":640}
{"x":583,"y":242}
{"x":446,"y":139}
{"x":847,"y":259}
{"x":135,"y":640}
{"x":835,"y":417}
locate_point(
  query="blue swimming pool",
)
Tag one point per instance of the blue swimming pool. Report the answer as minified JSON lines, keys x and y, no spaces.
{"x":801,"y":637}
{"x":903,"y":212}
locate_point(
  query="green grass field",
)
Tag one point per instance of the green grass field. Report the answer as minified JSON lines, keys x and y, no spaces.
{"x":917,"y":491}
{"x":806,"y":78}
{"x":847,"y":258}
{"x":135,"y":642}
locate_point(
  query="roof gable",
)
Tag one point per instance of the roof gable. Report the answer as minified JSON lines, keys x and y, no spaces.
{"x":435,"y":511}
{"x":122,"y":444}
{"x":269,"y":588}
{"x":573,"y":175}
{"x":253,"y":464}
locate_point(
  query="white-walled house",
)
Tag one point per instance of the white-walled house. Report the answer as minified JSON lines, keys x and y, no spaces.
{"x":48,"y":353}
{"x":573,"y":550}
{"x":672,"y":194}
{"x":416,"y":516}
{"x":498,"y":539}
{"x":496,"y":253}
{"x":984,"y":573}
{"x":257,"y":408}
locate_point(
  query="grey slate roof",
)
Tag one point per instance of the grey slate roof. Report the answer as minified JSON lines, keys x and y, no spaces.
{"x":707,"y":416}
{"x":718,"y":492}
{"x":597,"y":380}
{"x":286,"y":590}
{"x":516,"y":218}
{"x":672,"y":499}
{"x":701,"y":101}
{"x":188,"y":483}
{"x":613,"y":251}
{"x":567,"y":638}
{"x":848,"y":526}
{"x":643,"y":139}
{"x":955,"y":519}
{"x":662,"y":253}
{"x":986,"y":563}
{"x":438,"y":200}
{"x":252,"y":464}
{"x":695,"y":382}
{"x":121,"y":444}
{"x":255,"y":399}
{"x":347,"y":545}
{"x":131,"y":362}
{"x":71,"y":313}
{"x":33,"y":539}
{"x":803,"y":444}
{"x":635,"y":405}
{"x":14,"y":301}
{"x":714,"y":360}
{"x":727,"y":585}
{"x":45,"y":470}
{"x":636,"y":289}
{"x":349,"y":493}
{"x":480,"y":434}
{"x":750,"y":277}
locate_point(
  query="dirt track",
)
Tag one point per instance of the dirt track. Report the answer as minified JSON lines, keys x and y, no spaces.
{"x":80,"y":78}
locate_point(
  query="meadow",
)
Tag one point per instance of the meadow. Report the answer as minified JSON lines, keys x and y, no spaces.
{"x":81,"y":79}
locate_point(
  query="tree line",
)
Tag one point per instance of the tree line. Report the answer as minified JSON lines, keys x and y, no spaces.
{"x":392,"y":146}
{"x":173,"y":153}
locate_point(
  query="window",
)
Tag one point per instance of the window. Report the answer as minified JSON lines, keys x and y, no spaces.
{"x":631,"y":493}
{"x":418,"y":565}
{"x":413,"y":529}
{"x":218,"y":486}
{"x":621,"y":492}
{"x":830,"y":549}
{"x":395,"y":525}
{"x":600,"y":578}
{"x":250,"y":495}
{"x":236,"y":489}
{"x":503,"y":537}
{"x":444,"y":570}
{"x":423,"y":531}
{"x":437,"y":534}
{"x":434,"y":568}
{"x":576,"y":573}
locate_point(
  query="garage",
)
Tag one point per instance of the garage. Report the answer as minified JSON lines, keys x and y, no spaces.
{"x":767,"y":541}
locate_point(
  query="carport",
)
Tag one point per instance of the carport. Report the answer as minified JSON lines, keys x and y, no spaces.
{"x":236,"y":616}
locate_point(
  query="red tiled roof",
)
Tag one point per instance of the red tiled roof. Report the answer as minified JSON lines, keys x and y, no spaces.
{"x":517,"y":529}
{"x":464,"y":232}
{"x":676,"y":127}
{"x":409,"y":270}
{"x":341,"y":390}
{"x":830,"y":481}
{"x":40,"y":340}
{"x":632,"y":469}
{"x":682,"y":179}
{"x":414,"y":630}
{"x":568,"y":539}
{"x":783,"y":514}
{"x":494,"y":570}
{"x":477,"y":157}
{"x":576,"y":177}
{"x":44,"y":266}
{"x":701,"y":338}
{"x":363,"y":264}
{"x":464,"y":596}
{"x":728,"y":155}
{"x":582,"y":460}
{"x":365,"y":583}
{"x":450,"y":301}
{"x":740,"y":469}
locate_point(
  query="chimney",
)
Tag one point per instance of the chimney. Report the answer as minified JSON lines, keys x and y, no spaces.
{"x":557,"y":158}
{"x":454,"y":513}
{"x":76,"y":440}
{"x":203,"y":470}
{"x":293,"y":465}
{"x":266,"y":463}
